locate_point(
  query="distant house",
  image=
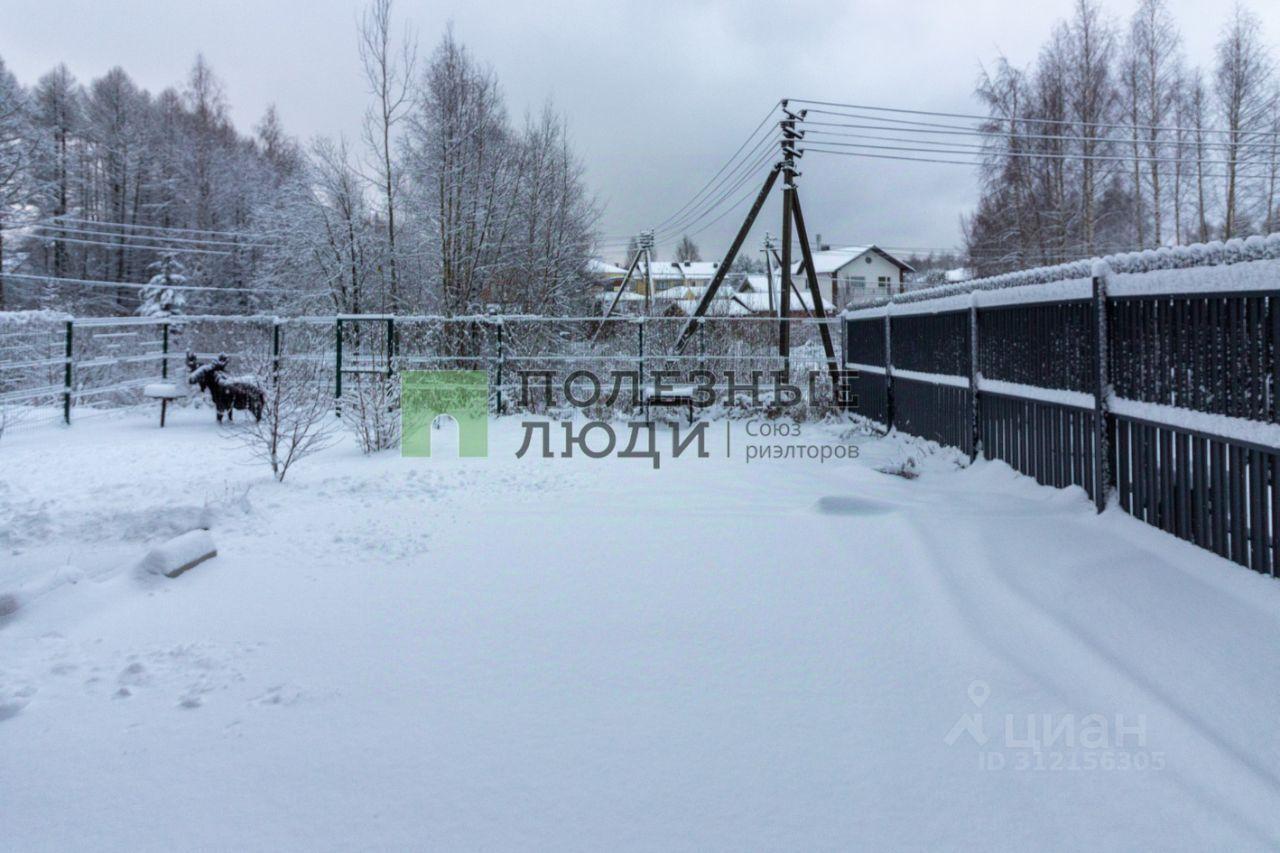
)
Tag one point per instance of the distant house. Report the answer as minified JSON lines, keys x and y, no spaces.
{"x":855,"y":274}
{"x":665,"y":274}
{"x":684,"y":299}
{"x":754,"y":293}
{"x":605,"y":273}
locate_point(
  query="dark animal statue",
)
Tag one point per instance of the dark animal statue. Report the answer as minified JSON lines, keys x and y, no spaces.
{"x":228,"y":394}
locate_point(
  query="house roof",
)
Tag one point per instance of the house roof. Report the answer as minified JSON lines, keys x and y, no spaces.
{"x":603,"y":269}
{"x":680,"y":270}
{"x":608,"y":296}
{"x":830,"y":260}
{"x":729,"y":306}
{"x":755,"y":294}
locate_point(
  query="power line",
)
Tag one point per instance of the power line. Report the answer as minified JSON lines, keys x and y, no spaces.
{"x":751,"y":170}
{"x":734,"y":173}
{"x":1069,"y":122}
{"x":90,"y":282}
{"x":178,"y":250}
{"x":69,"y":230}
{"x":752,"y":192}
{"x":966,"y":148}
{"x":732,"y":158}
{"x":732,"y":179}
{"x":959,"y":130}
{"x":973,"y":163}
{"x":139,"y":227}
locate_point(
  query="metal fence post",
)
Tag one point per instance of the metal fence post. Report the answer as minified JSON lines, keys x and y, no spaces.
{"x":841,"y":394}
{"x":1102,"y":476}
{"x":337,"y":368}
{"x":888,"y":370}
{"x":391,"y":345}
{"x":164,"y":349}
{"x":640,"y":368}
{"x":275,"y":351}
{"x":702,"y":344}
{"x":975,"y":410}
{"x":501,"y":363}
{"x":66,"y":377}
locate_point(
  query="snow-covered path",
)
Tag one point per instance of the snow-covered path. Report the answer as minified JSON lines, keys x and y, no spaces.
{"x":578,"y":654}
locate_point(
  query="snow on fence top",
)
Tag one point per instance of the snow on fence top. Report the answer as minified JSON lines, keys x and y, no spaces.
{"x":17,"y":319}
{"x":1129,"y":275}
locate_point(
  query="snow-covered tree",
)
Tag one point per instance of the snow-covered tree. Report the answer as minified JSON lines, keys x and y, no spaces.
{"x":161,"y":298}
{"x":1242,"y":84}
{"x":15,"y":157}
{"x":390,"y":70}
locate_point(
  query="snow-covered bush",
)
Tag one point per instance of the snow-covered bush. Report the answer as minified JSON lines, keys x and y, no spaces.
{"x":297,"y":419}
{"x":371,"y":410}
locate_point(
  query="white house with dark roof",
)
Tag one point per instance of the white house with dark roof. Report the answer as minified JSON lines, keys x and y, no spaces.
{"x":855,"y":274}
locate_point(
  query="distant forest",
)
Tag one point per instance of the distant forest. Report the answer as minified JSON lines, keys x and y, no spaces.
{"x":1111,"y":142}
{"x":115,"y":200}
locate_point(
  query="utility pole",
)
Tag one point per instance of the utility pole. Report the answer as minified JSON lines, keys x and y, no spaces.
{"x":646,"y":247}
{"x":792,"y":215}
{"x":632,"y":268}
{"x":789,"y":138}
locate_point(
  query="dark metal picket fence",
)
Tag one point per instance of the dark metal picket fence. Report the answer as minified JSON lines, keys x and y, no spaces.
{"x":1158,"y":390}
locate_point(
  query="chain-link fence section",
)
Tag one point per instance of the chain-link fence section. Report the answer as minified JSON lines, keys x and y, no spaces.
{"x":55,"y":368}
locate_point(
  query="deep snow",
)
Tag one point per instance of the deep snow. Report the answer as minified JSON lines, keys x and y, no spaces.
{"x":579,"y":654}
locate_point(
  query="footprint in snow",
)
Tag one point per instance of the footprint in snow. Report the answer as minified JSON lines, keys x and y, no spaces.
{"x":14,"y":699}
{"x":850,"y":505}
{"x":278,"y":696}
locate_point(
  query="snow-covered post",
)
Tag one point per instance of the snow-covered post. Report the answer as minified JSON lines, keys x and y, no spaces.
{"x":66,"y":377}
{"x":888,"y":368}
{"x":702,"y":343}
{"x":837,"y":393}
{"x":502,"y":360}
{"x":337,"y":367}
{"x":275,"y":349}
{"x":640,"y":347}
{"x":1101,"y":416}
{"x":164,"y":349}
{"x":975,"y":412}
{"x":391,"y":345}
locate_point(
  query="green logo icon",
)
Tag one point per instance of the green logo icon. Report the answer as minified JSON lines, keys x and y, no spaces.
{"x":461,"y":394}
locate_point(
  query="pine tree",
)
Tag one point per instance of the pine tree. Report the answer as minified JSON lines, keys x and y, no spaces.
{"x":160,"y":298}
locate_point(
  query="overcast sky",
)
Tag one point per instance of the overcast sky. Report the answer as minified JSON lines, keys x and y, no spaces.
{"x":658,"y":94}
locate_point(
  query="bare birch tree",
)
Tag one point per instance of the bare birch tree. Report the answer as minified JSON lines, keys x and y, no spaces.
{"x":390,"y":70}
{"x":1242,"y":86}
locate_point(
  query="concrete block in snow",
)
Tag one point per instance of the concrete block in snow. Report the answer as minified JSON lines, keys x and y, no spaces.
{"x":180,"y":553}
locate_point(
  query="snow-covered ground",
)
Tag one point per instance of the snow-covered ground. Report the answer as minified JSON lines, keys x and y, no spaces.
{"x":578,"y":654}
